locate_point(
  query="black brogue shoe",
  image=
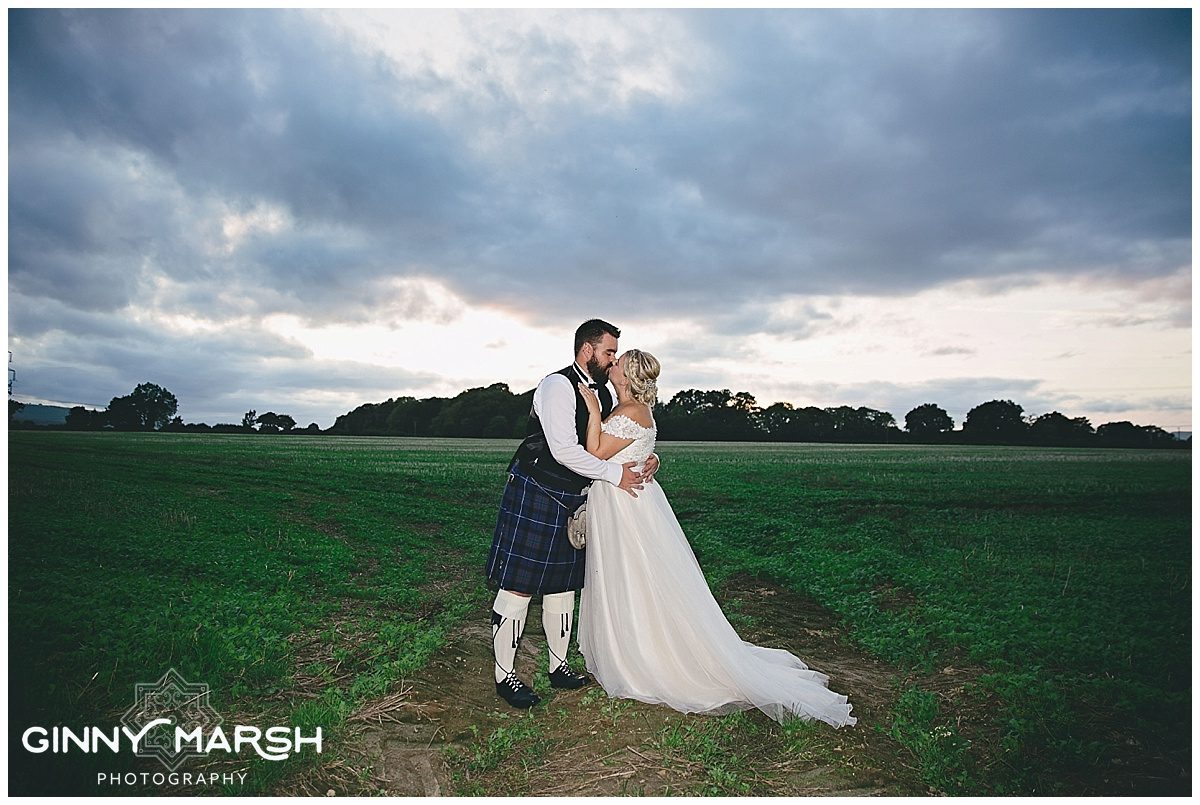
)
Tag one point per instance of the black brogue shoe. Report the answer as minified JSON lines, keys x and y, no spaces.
{"x":516,"y":692}
{"x":564,"y":677}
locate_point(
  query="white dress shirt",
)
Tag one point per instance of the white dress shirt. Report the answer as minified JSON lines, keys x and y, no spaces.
{"x":554,"y":404}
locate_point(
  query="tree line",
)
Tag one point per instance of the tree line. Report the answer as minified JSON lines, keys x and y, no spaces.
{"x":150,"y":407}
{"x":701,"y":415}
{"x":695,"y":414}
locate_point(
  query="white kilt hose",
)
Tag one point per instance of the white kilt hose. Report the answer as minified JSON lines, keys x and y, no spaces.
{"x":530,"y":551}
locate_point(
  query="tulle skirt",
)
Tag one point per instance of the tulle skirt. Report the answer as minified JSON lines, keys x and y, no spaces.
{"x":650,"y":629}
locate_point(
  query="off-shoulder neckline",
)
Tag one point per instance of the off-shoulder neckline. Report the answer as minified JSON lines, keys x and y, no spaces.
{"x":615,"y":417}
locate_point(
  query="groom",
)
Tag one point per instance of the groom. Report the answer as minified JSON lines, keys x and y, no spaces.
{"x":547,"y":481}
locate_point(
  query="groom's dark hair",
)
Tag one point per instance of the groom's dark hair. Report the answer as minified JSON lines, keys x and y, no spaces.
{"x":591,"y":331}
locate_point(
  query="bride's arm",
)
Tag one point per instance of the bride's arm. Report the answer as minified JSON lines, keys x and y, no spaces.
{"x":593,"y":426}
{"x":599,"y":444}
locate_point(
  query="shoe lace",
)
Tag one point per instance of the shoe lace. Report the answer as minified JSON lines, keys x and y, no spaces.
{"x":515,"y":684}
{"x":566,"y":670}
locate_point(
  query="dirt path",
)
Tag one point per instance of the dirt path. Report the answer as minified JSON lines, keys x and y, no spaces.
{"x":448,"y":733}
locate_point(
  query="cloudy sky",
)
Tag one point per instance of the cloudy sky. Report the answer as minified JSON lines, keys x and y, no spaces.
{"x":305,"y":211}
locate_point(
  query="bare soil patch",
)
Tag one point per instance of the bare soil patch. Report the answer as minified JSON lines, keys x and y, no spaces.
{"x":446,"y":732}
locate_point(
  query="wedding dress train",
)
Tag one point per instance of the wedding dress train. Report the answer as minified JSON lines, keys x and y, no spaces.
{"x":650,"y":629}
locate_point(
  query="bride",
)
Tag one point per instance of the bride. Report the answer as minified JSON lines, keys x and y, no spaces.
{"x":649,"y":628}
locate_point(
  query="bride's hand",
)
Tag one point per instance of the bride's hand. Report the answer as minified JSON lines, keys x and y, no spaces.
{"x":649,"y":468}
{"x":590,"y":399}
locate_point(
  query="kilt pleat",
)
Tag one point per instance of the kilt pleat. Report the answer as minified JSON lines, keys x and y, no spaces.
{"x":530,"y":550}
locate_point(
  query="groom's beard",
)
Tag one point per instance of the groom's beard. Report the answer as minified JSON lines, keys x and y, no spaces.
{"x":598,"y":373}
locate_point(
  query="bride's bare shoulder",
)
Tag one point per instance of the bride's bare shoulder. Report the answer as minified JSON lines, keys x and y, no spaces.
{"x":638,"y":412}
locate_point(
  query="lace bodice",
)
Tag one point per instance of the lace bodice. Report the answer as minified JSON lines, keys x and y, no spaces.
{"x":623,"y":427}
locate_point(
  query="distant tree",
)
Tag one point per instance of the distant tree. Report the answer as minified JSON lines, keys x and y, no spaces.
{"x":14,"y":407}
{"x":147,"y":407}
{"x":80,"y":418}
{"x":878,"y":426}
{"x":740,"y":418}
{"x":404,"y":416}
{"x":716,"y":415}
{"x":313,"y":427}
{"x":812,"y":424}
{"x":155,"y":405}
{"x":248,"y":419}
{"x":785,"y":423}
{"x":1157,"y":437}
{"x":497,"y":428}
{"x":779,"y":422}
{"x":122,"y":415}
{"x":686,"y":415}
{"x":76,"y":418}
{"x":928,"y":420}
{"x":1055,"y":428}
{"x":844,"y":419}
{"x":1119,"y":434}
{"x":743,"y":401}
{"x":228,"y":427}
{"x":995,"y":421}
{"x":474,"y":412}
{"x":271,"y":422}
{"x":520,"y":428}
{"x":1127,"y":434}
{"x":367,"y":419}
{"x":401,"y":418}
{"x":1081,"y":428}
{"x":409,"y":416}
{"x":861,"y":425}
{"x":175,"y":425}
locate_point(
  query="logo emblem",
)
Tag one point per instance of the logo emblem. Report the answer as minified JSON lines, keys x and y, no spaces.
{"x":172,"y":697}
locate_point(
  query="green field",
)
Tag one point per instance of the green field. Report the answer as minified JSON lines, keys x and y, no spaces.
{"x":303,"y":578}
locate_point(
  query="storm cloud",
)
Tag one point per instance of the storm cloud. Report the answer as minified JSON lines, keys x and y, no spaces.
{"x":221,"y":167}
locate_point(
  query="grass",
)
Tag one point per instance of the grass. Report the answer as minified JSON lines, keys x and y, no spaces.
{"x":226,"y":559}
{"x":1066,"y":573}
{"x":717,"y":746}
{"x":942,"y":754}
{"x":301,"y":577}
{"x":517,"y":745}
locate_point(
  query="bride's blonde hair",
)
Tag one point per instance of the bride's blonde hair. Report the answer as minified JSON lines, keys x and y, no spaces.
{"x":642,"y":368}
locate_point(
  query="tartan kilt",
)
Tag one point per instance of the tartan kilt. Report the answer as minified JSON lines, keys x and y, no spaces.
{"x":530,"y":550}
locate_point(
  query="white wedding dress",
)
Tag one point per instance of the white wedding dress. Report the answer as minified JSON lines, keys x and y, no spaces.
{"x":650,"y":629}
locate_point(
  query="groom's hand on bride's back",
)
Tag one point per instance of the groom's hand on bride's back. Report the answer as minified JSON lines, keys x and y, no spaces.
{"x":631,"y":479}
